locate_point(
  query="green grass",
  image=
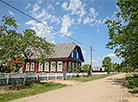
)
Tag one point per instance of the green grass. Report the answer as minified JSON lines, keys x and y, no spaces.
{"x":133,"y":83}
{"x":29,"y":90}
{"x":94,"y":77}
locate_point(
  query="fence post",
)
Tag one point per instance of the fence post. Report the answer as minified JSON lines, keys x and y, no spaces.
{"x":55,"y":76}
{"x":24,"y":78}
{"x":47,"y":77}
{"x":7,"y":78}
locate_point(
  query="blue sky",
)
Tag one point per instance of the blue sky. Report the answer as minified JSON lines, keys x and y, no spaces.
{"x":82,"y":20}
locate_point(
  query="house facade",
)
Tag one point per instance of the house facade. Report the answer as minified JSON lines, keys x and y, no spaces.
{"x":65,"y":56}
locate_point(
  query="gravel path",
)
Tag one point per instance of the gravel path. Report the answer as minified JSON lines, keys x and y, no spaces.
{"x":108,"y":89}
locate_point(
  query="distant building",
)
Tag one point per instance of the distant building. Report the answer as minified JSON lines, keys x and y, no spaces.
{"x":65,"y":56}
{"x":98,"y":69}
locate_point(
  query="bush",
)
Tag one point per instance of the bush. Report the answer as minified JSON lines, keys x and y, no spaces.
{"x":135,"y":75}
{"x":77,"y":76}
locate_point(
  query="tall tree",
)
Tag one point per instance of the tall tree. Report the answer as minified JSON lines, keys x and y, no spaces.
{"x":22,"y":46}
{"x":107,"y":64}
{"x":123,"y":33}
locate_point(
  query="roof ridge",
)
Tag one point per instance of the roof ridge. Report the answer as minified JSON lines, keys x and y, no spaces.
{"x":66,"y":43}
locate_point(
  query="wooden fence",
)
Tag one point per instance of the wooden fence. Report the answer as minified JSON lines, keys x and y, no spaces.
{"x":10,"y":78}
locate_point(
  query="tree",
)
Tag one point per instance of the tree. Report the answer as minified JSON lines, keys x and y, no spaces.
{"x":19,"y":47}
{"x":123,"y":33}
{"x":117,"y":67}
{"x":107,"y":64}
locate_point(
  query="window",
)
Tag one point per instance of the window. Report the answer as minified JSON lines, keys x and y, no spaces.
{"x":59,"y":66}
{"x":72,"y":65}
{"x":76,"y":65}
{"x":32,"y":66}
{"x":27,"y":66}
{"x":77,"y":55}
{"x":53,"y":66}
{"x":72,"y":54}
{"x":46,"y":66}
{"x":40,"y":66}
{"x":76,"y":49}
{"x":69,"y":66}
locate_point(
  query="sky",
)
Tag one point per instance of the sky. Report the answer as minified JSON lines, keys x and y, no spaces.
{"x":82,"y":20}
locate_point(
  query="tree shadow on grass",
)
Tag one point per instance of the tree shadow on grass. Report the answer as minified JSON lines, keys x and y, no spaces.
{"x":131,"y":83}
{"x":118,"y":81}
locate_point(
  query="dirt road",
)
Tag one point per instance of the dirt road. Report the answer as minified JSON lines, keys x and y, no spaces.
{"x":108,"y":89}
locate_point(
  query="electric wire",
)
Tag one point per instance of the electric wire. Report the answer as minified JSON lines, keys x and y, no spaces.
{"x":47,"y":26}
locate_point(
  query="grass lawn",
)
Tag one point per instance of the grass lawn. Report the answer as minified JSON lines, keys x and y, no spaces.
{"x":94,"y":77}
{"x":133,"y":83}
{"x":20,"y":90}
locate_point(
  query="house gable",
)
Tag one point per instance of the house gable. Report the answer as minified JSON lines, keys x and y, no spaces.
{"x":76,"y":54}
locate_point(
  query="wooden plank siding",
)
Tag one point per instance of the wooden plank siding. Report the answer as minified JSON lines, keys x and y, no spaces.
{"x":56,"y":68}
{"x":66,"y":52}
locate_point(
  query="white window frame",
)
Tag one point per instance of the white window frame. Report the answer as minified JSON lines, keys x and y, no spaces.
{"x":59,"y":67}
{"x":53,"y":67}
{"x":27,"y":66}
{"x":32,"y":66}
{"x":72,"y":55}
{"x":40,"y":67}
{"x":77,"y":55}
{"x":46,"y":68}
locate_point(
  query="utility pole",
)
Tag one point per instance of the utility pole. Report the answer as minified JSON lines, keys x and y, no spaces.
{"x":91,"y":58}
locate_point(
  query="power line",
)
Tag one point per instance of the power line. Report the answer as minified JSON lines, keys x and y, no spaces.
{"x":43,"y":23}
{"x":47,"y":26}
{"x":98,"y":54}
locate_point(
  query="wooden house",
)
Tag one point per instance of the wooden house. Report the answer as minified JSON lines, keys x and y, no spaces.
{"x":98,"y":69}
{"x":65,"y":56}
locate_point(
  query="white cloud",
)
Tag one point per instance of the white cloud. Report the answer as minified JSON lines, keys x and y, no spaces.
{"x":41,"y":30}
{"x":11,"y":13}
{"x":42,"y":14}
{"x":40,"y":1}
{"x":57,"y":3}
{"x":76,"y":7}
{"x":53,"y":42}
{"x":86,"y":20}
{"x":64,"y":5}
{"x":28,"y":5}
{"x":104,"y":20}
{"x":111,"y":55}
{"x":66,"y":23}
{"x":98,"y":58}
{"x":97,"y":30}
{"x":55,"y":19}
{"x":36,"y":7}
{"x":94,"y":60}
{"x":91,"y":17}
{"x":50,"y":7}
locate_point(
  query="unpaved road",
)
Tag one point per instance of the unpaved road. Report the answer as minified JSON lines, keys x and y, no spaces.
{"x":108,"y":89}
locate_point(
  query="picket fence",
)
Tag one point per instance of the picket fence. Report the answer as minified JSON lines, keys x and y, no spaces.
{"x":10,"y":78}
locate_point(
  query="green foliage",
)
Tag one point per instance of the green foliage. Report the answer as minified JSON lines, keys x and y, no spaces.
{"x":32,"y":89}
{"x":85,"y":67}
{"x":19,"y":45}
{"x":107,"y":64}
{"x":76,"y":70}
{"x":123,"y":32}
{"x":133,"y":83}
{"x":85,"y":79}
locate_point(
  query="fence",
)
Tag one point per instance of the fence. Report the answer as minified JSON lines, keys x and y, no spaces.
{"x":10,"y":78}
